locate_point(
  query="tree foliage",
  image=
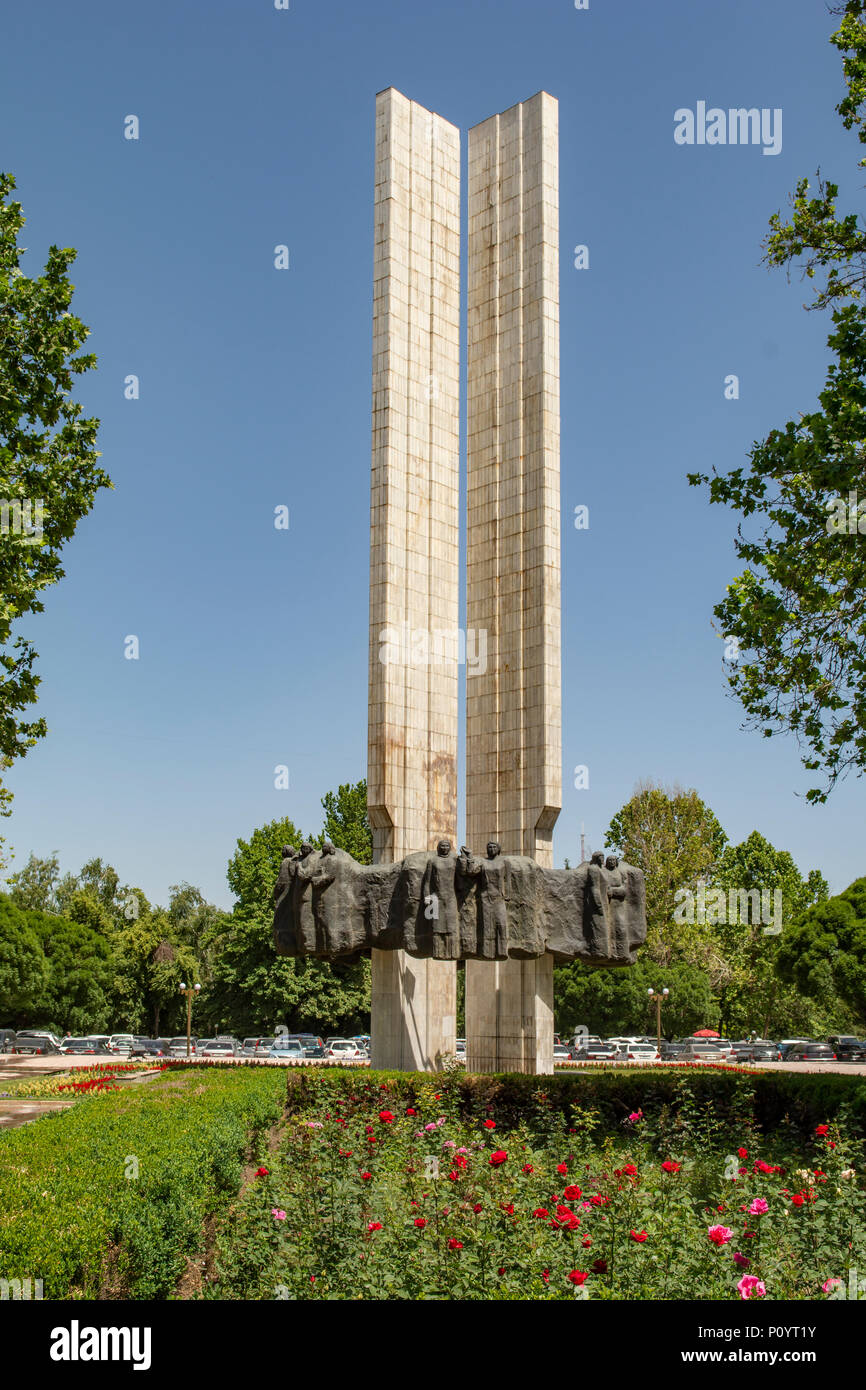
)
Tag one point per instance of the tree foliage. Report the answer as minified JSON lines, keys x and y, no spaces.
{"x":797,"y":611}
{"x":824,"y":955}
{"x":48,"y":458}
{"x":675,"y":838}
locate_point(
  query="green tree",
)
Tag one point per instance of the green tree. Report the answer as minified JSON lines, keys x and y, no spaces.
{"x":797,"y":611}
{"x":675,"y":838}
{"x":35,"y":886}
{"x":23,"y":968}
{"x":77,"y":993}
{"x":48,"y":460}
{"x":252,"y":989}
{"x":611,"y":1002}
{"x":750,"y":993}
{"x":346,"y":824}
{"x":824,"y":954}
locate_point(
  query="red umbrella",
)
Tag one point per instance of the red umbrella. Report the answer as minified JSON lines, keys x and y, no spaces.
{"x":706,"y":1033}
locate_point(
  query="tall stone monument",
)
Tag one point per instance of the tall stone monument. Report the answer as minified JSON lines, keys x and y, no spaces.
{"x":513,"y":709}
{"x":414,"y":547}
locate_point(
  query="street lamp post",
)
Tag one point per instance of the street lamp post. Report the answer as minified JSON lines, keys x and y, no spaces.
{"x":190,"y":991}
{"x":658,"y":999}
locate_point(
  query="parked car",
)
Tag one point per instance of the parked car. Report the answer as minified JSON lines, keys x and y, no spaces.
{"x":310,"y":1039}
{"x":343,"y":1048}
{"x":314,"y":1054}
{"x":850,"y":1052}
{"x":37,"y":1044}
{"x":701,"y":1052}
{"x":596,"y":1052}
{"x":7,"y":1039}
{"x":460,"y":1048}
{"x":787,"y":1043}
{"x":177,"y":1047}
{"x":100,"y":1037}
{"x":671,"y":1051}
{"x":762,"y":1050}
{"x":837,"y":1040}
{"x":561,"y":1053}
{"x":121,"y":1042}
{"x":641,"y":1052}
{"x":810,"y":1052}
{"x":256,"y":1047}
{"x":146,"y":1047}
{"x":94,"y":1047}
{"x":217,"y":1047}
{"x":287,"y":1050}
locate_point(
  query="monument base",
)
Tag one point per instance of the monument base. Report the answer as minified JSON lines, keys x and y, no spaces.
{"x":414,"y":1012}
{"x":509,"y":1016}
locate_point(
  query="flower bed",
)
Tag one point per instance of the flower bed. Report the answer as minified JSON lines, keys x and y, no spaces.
{"x":125,"y":1179}
{"x":411,"y":1187}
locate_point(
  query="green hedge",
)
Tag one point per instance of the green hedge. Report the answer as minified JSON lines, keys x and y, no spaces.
{"x":764,"y":1099}
{"x":72,"y":1211}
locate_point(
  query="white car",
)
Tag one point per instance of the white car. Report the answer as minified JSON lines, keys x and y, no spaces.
{"x":641,"y":1052}
{"x":343,"y":1048}
{"x":121,"y":1042}
{"x":217,"y":1047}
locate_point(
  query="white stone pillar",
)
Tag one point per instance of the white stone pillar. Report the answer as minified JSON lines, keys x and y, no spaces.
{"x":414,"y":546}
{"x":513,"y":708}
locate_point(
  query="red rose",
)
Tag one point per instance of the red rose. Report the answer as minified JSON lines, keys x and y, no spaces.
{"x":742,"y":1153}
{"x":455,"y":1244}
{"x":489,"y":1124}
{"x":599,"y":1266}
{"x":639,"y":1236}
{"x":509,"y":1210}
{"x":501,"y":1271}
{"x":562,"y":1168}
{"x":477,"y":1208}
{"x":420,"y":1222}
{"x":545,"y":1274}
{"x":630,"y":1170}
{"x":386,"y":1117}
{"x":410,"y":1111}
{"x":453,"y":1177}
{"x":365,"y":1177}
{"x":262,"y":1172}
{"x":798,"y":1199}
{"x":498,"y":1157}
{"x":572,"y":1193}
{"x":578,"y":1276}
{"x":527,"y":1168}
{"x":670,"y":1167}
{"x":460,"y":1161}
{"x":374,"y":1225}
{"x":542,"y":1213}
{"x":821,"y":1130}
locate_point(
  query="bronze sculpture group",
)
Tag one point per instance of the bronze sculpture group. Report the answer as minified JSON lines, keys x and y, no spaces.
{"x":450,"y":906}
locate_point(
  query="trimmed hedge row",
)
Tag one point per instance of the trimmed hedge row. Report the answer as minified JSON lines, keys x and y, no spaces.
{"x":106,"y":1199}
{"x":767,"y":1100}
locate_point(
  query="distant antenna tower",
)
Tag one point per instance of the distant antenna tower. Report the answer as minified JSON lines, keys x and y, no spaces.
{"x":582,"y":845}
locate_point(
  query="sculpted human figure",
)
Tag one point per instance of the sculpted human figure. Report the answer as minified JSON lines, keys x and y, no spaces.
{"x":617,"y":910}
{"x":483,"y":914}
{"x":300,"y":900}
{"x":595,"y":907}
{"x":440,"y":902}
{"x":284,"y":926}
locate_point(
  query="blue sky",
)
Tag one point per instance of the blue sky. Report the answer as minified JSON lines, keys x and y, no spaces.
{"x":256,"y":129}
